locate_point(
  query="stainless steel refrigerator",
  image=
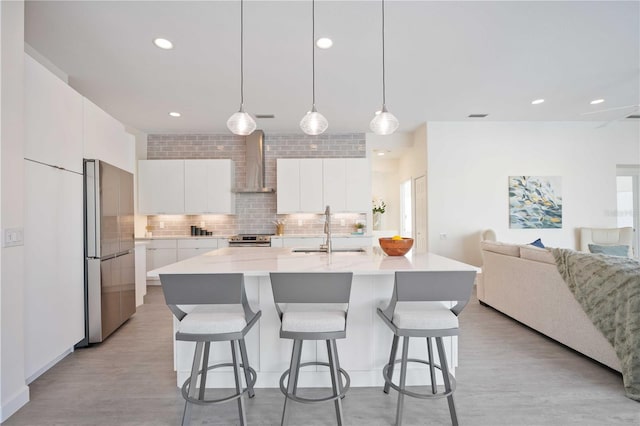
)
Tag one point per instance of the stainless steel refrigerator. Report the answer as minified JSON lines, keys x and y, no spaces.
{"x":109,"y":249}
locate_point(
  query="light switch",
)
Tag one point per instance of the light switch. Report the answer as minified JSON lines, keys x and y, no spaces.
{"x":12,"y":237}
{"x":161,"y":225}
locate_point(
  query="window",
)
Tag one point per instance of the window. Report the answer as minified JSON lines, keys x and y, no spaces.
{"x":628,"y":195}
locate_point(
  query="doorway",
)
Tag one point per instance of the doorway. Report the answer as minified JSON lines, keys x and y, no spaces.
{"x":628,"y":201}
{"x":406,"y":216}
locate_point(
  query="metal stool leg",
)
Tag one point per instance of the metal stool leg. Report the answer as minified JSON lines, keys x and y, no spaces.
{"x":238,"y":378}
{"x":337,"y":361}
{"x":447,"y":383}
{"x":245,"y":363}
{"x":205,"y":365}
{"x":432,"y":369}
{"x":195,"y":368}
{"x":293,"y":379}
{"x":297,"y":375}
{"x":335,"y":378}
{"x":403,"y":380}
{"x":392,"y":358}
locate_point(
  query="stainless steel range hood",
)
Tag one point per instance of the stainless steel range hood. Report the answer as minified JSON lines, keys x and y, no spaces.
{"x":254,"y":163}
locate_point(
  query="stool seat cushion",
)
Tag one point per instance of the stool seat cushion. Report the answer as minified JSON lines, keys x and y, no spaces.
{"x":314,"y":321}
{"x":213,"y":319}
{"x":432,"y":318}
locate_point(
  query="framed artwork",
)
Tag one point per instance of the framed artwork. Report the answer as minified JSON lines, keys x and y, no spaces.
{"x":535,"y":202}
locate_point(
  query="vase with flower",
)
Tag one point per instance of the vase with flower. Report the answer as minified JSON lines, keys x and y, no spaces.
{"x":379,"y":207}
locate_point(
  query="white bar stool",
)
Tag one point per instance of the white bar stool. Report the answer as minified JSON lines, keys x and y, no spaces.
{"x":432,"y":320}
{"x":291,"y":292}
{"x":222,"y":314}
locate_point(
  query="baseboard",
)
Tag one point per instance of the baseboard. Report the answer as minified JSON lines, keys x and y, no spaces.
{"x":50,"y":364}
{"x":14,"y":403}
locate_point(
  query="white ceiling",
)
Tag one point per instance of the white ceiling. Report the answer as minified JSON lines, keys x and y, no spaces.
{"x":445,"y":60}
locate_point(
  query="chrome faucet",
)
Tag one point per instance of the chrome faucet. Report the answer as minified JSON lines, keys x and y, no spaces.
{"x":327,"y":230}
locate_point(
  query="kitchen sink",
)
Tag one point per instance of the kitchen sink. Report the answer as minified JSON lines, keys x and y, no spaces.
{"x":336,"y":250}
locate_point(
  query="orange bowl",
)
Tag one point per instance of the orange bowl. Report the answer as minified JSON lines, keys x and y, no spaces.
{"x":396,"y":247}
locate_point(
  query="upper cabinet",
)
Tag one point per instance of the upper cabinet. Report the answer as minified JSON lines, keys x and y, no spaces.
{"x":53,"y":117}
{"x":105,"y":138}
{"x":186,"y":187}
{"x":161,"y":186}
{"x":299,"y":185}
{"x":208,"y":187}
{"x":308,"y":185}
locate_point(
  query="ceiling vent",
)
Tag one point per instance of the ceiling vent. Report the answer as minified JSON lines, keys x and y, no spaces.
{"x":265,"y":116}
{"x":634,"y":116}
{"x":477,"y":115}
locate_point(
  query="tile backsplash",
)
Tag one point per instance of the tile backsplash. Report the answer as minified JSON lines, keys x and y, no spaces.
{"x":255,"y":212}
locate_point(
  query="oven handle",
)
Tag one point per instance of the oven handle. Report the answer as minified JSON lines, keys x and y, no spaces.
{"x":233,"y":244}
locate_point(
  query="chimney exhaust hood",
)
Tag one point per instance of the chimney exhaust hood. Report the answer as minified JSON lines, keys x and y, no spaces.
{"x":254,"y":164}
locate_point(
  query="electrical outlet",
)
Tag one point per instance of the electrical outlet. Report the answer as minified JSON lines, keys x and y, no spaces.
{"x":202,"y":224}
{"x":299,"y":222}
{"x":13,"y":237}
{"x":161,"y":225}
{"x":443,"y":235}
{"x":342,"y":222}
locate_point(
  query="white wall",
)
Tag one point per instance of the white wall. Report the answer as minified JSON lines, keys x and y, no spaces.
{"x":13,"y":391}
{"x":386,"y":186}
{"x":469,"y":165}
{"x":140,"y":154}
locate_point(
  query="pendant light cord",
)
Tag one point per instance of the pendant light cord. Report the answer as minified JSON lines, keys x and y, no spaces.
{"x":384,"y":100}
{"x":241,"y":55}
{"x":313,"y":53}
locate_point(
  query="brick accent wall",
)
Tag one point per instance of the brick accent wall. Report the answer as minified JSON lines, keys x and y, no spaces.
{"x":255,"y":213}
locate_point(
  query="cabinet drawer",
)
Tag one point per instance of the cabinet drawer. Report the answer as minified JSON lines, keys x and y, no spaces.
{"x":208,"y":243}
{"x":161,"y":244}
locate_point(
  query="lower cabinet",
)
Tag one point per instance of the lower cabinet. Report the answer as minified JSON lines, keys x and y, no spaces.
{"x":161,"y":253}
{"x":171,"y":250}
{"x":195,"y":247}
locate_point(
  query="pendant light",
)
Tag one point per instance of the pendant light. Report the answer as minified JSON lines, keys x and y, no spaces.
{"x":241,"y":123}
{"x":384,"y":123}
{"x":313,"y":123}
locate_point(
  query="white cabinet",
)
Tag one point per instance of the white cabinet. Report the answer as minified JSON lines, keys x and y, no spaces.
{"x":54,"y":265}
{"x":347,"y":184}
{"x":161,"y":253}
{"x":208,"y":187}
{"x":299,"y":185}
{"x":195,"y":247}
{"x":53,"y":118}
{"x":161,"y":186}
{"x":308,"y":185}
{"x":105,"y":138}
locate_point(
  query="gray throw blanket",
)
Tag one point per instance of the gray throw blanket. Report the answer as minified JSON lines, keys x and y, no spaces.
{"x":608,"y":289}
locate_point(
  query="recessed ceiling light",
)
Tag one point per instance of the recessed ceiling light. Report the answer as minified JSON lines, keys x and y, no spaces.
{"x":324,"y":42}
{"x":381,"y":153}
{"x":175,"y":114}
{"x":163,"y":43}
{"x":537,"y":101}
{"x":596,"y":101}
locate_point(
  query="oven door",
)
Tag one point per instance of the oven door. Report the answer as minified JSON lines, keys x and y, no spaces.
{"x":248,"y":244}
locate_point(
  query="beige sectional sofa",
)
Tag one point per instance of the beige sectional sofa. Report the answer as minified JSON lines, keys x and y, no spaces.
{"x":522,"y":282}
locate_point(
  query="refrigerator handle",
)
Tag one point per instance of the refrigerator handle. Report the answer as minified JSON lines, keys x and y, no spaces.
{"x":92,"y":214}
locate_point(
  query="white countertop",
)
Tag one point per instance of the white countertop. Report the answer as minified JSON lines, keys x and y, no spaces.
{"x":259,"y":261}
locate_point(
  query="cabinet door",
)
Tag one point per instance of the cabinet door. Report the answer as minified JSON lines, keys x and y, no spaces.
{"x":105,"y":138}
{"x":288,"y":185}
{"x":333,"y":184}
{"x":159,"y":257}
{"x":161,"y":186}
{"x":53,"y":119}
{"x":311,"y":185}
{"x":54,"y":275}
{"x":358,"y":185}
{"x":208,"y":186}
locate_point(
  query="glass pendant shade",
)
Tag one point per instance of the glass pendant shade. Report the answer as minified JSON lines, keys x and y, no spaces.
{"x":241,"y":123}
{"x":384,"y":123}
{"x":313,"y":123}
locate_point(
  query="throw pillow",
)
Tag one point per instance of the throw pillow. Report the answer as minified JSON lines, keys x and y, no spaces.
{"x":537,"y":243}
{"x":622,"y":251}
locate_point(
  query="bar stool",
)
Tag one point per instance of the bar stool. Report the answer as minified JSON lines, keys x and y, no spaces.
{"x":293,"y":293}
{"x":433,"y":320}
{"x":222,"y":314}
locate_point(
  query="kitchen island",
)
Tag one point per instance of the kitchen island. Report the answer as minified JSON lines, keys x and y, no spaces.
{"x":365,"y":350}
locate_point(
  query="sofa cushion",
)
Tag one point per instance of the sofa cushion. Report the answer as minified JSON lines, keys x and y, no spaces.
{"x":501,"y":248}
{"x":621,"y":251}
{"x":537,"y":254}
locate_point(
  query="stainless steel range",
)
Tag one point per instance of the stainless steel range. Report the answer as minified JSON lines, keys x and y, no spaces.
{"x":250,"y":240}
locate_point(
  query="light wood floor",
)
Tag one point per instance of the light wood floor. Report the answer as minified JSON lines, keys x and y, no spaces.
{"x":508,"y":375}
